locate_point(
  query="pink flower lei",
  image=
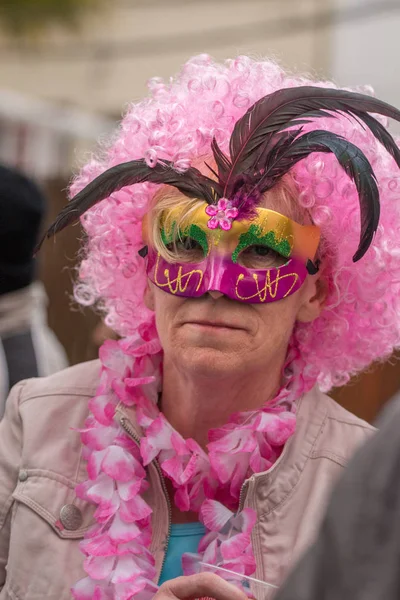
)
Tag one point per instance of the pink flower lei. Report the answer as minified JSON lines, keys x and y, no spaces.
{"x":118,"y":561}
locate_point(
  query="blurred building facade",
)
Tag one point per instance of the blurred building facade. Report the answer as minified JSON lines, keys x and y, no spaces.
{"x":43,"y":138}
{"x":108,"y":61}
{"x":93,"y":72}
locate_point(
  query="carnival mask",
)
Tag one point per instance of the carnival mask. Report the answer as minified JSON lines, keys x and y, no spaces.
{"x":258,"y":260}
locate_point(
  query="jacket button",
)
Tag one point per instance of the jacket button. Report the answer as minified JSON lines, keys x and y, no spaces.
{"x":71,"y":517}
{"x":23,"y":475}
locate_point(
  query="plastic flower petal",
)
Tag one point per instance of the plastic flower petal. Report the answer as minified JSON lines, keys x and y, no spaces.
{"x":211,"y":210}
{"x":121,"y":465}
{"x":126,"y":569}
{"x":99,"y":567}
{"x":214,"y":515}
{"x":221,"y":215}
{"x":121,"y":532}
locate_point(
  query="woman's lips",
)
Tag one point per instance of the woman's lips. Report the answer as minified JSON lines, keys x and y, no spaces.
{"x":214,"y":325}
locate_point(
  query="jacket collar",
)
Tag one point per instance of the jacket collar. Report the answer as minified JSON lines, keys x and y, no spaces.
{"x":272,"y":486}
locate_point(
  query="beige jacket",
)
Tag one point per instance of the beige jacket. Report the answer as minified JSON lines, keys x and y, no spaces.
{"x":41,"y":462}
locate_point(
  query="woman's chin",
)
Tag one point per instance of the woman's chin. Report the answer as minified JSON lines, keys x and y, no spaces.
{"x":210,"y":362}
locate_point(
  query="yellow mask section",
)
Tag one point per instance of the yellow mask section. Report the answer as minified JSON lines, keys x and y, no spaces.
{"x":268,"y":228}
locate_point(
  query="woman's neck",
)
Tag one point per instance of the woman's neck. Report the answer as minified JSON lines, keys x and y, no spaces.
{"x":194,"y":405}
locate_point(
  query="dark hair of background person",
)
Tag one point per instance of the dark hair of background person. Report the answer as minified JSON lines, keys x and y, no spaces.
{"x":28,"y":347}
{"x":22,"y":210}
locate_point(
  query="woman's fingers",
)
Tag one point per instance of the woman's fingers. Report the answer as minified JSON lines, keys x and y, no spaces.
{"x":199,"y":586}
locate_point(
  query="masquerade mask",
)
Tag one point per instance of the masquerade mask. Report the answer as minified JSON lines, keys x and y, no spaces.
{"x":260,"y":260}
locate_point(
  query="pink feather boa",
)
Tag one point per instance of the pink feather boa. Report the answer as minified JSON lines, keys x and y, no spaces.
{"x":118,"y":561}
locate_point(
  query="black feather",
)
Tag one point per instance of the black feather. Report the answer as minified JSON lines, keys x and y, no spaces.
{"x":291,"y":107}
{"x":291,"y":150}
{"x":381,"y":134}
{"x":223,"y":163}
{"x":191,"y":182}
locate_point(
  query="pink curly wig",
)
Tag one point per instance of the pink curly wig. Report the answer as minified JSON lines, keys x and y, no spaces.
{"x":361,"y":319}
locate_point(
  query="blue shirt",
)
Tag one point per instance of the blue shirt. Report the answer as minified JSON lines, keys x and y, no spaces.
{"x":184,"y":537}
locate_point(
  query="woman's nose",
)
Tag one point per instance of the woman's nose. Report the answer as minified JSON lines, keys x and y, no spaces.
{"x":215,"y":294}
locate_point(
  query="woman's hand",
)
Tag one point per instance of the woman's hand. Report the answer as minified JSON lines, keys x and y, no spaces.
{"x":203,"y":585}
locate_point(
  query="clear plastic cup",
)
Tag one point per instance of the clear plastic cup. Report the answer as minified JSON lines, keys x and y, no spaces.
{"x":253,"y":588}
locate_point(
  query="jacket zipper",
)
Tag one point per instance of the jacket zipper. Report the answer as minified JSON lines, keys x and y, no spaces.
{"x":126,"y":425}
{"x":242,"y":497}
{"x":242,"y":494}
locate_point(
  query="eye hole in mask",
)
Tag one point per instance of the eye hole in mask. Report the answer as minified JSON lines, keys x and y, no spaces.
{"x":258,"y":250}
{"x":258,"y":256}
{"x":189,"y":246}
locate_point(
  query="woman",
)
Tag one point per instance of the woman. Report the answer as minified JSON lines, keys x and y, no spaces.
{"x":229,"y":255}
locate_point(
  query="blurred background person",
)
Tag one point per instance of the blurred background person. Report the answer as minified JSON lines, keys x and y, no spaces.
{"x":28,"y":348}
{"x":357,"y":553}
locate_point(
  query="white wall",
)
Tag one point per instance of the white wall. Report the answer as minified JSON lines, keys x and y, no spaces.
{"x":367,"y":51}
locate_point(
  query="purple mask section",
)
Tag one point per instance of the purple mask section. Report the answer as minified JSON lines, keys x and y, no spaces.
{"x":219,"y":273}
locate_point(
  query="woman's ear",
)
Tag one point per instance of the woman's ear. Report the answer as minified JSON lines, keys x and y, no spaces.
{"x":314,"y":297}
{"x":149,"y":296}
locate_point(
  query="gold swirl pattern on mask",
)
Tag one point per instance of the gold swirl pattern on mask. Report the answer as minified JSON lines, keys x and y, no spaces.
{"x":271,"y":287}
{"x":180,"y":282}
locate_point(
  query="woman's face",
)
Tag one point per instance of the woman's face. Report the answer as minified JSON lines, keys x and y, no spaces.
{"x":214,"y":334}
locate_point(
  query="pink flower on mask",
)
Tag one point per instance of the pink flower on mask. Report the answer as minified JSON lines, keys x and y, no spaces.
{"x":221,"y":215}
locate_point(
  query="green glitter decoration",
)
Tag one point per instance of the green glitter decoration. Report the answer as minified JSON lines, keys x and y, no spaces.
{"x":254,"y":237}
{"x":196,"y":233}
{"x":193,"y":231}
{"x":168,"y":237}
